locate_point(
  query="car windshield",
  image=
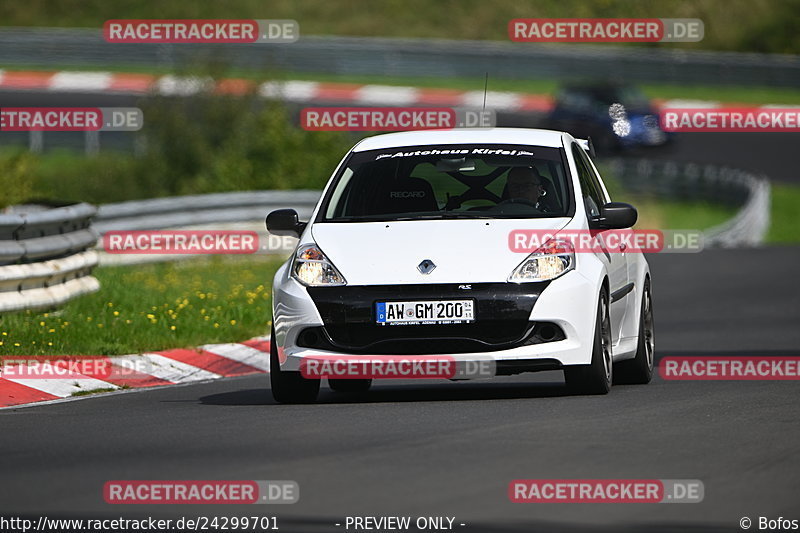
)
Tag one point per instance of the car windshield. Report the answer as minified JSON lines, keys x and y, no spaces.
{"x":450,"y":181}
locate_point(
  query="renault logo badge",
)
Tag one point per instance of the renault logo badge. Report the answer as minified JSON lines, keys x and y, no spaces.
{"x":426,"y":266}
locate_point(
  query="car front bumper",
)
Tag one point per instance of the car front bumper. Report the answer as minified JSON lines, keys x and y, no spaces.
{"x":534,"y":326}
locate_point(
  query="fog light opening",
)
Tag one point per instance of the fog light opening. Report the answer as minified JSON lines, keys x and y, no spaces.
{"x":547,"y":332}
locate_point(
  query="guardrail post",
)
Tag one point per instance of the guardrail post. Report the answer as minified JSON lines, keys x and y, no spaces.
{"x":92,"y":143}
{"x":36,"y":141}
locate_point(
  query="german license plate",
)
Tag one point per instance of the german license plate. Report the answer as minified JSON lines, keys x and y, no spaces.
{"x":425,"y":312}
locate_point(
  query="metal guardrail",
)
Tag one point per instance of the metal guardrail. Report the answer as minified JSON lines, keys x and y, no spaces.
{"x":56,"y":47}
{"x":748,"y":192}
{"x":220,"y":211}
{"x":161,"y":213}
{"x":45,"y":256}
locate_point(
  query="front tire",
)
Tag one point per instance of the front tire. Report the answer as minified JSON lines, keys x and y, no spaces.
{"x":639,"y":370}
{"x":289,"y":387}
{"x":596,"y":377}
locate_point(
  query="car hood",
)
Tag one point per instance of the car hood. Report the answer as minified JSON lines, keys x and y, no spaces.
{"x":464,"y":251}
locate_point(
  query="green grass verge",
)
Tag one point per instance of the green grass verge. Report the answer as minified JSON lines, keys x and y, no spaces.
{"x":152,"y":307}
{"x":98,"y":391}
{"x":694,"y":215}
{"x":673,"y":214}
{"x":785,"y":221}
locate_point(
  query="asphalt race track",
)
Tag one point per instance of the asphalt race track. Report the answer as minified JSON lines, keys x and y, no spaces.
{"x":451,"y":449}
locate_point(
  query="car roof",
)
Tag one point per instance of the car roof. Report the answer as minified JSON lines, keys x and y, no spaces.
{"x":523,"y":136}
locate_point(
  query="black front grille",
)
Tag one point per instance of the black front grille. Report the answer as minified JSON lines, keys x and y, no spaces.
{"x":501,"y":310}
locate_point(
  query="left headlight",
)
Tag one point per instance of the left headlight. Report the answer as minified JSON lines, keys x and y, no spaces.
{"x":551,"y":260}
{"x":311,"y":268}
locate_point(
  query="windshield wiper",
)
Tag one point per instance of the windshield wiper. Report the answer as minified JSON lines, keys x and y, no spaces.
{"x":444,"y":215}
{"x":462,"y":214}
{"x":389,"y":218}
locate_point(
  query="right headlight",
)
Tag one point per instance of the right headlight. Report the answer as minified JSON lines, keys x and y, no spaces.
{"x":551,"y":260}
{"x":311,"y":268}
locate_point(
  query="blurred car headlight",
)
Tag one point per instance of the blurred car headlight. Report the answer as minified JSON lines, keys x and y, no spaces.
{"x":622,"y":128}
{"x":551,"y":260}
{"x":617,"y":112}
{"x":313,"y":269}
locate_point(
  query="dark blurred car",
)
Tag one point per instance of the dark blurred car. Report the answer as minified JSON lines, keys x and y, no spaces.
{"x":614,"y":116}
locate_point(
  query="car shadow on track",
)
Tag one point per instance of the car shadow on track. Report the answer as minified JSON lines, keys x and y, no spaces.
{"x":393,"y":392}
{"x":243,"y":397}
{"x":447,"y":392}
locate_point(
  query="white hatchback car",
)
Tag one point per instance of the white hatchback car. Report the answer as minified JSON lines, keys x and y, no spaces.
{"x":428,"y":217}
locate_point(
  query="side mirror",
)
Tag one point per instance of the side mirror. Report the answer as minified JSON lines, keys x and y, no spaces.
{"x":592,"y":151}
{"x":615,"y":215}
{"x":588,"y":146}
{"x":285,"y":222}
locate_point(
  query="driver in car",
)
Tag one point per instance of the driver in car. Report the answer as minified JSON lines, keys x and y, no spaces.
{"x":525,"y":184}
